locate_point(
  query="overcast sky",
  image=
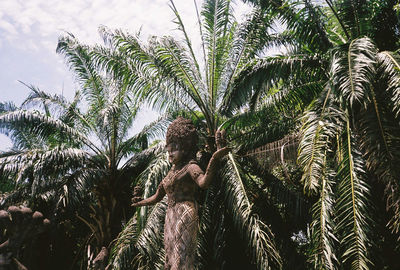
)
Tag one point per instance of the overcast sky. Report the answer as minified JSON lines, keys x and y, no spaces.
{"x":29,"y":30}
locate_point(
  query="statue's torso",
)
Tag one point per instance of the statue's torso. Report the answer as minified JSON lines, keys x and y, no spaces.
{"x":181,"y":220}
{"x":179,"y":186}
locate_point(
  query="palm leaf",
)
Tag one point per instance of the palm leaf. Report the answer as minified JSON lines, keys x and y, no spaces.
{"x":181,"y":27}
{"x":354,"y":70}
{"x":354,"y":15}
{"x":354,"y":222}
{"x":43,"y":126}
{"x":150,"y":240}
{"x":141,"y":248}
{"x":78,"y":56}
{"x":389,"y":64}
{"x":217,"y":23}
{"x":149,"y":179}
{"x":323,"y":239}
{"x":269,"y":70}
{"x":251,"y":228}
{"x":319,"y":130}
{"x":248,"y":40}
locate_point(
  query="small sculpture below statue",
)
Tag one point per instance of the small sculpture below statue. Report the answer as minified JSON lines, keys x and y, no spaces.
{"x":180,"y":185}
{"x":100,"y":261}
{"x":17,"y":226}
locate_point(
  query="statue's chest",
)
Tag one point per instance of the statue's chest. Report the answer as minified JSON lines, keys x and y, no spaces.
{"x":179,"y":184}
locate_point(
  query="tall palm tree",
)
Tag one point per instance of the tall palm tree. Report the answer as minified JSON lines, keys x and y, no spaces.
{"x":78,"y":157}
{"x":169,"y":75}
{"x":341,"y":76}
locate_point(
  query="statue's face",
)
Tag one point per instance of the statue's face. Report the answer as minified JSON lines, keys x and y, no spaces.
{"x":175,"y":153}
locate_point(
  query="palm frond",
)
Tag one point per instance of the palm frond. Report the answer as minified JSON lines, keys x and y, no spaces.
{"x":154,"y":130}
{"x":248,"y":40}
{"x":323,"y":240}
{"x":307,"y":22}
{"x":319,"y":131}
{"x":141,"y":160}
{"x":181,"y":26}
{"x":389,"y":65}
{"x":37,"y":98}
{"x":174,"y":62}
{"x":18,"y":132}
{"x":260,"y":240}
{"x":67,"y":112}
{"x":150,"y":240}
{"x":78,"y":56}
{"x":32,"y":164}
{"x":354,"y":223}
{"x":290,"y":98}
{"x":267,"y":71}
{"x":123,"y":251}
{"x":149,"y":179}
{"x":42,"y":126}
{"x":303,"y":18}
{"x":217,"y":22}
{"x":379,"y":129}
{"x":142,"y":249}
{"x":204,"y":243}
{"x":338,"y":31}
{"x":353,"y":71}
{"x":354,"y":15}
{"x":254,"y":129}
{"x":163,"y":68}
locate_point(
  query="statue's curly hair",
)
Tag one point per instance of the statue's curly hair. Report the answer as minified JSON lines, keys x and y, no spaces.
{"x":183,"y":133}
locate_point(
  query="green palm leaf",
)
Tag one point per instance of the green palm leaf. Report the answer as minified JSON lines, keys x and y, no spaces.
{"x":272,"y":70}
{"x":319,"y":130}
{"x":251,"y":228}
{"x":389,"y":64}
{"x":42,"y":125}
{"x":150,"y":240}
{"x":322,"y":228}
{"x":141,"y":248}
{"x":354,"y":70}
{"x":353,"y":217}
{"x":150,"y":179}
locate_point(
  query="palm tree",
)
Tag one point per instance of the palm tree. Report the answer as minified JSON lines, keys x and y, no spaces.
{"x":78,"y":158}
{"x":169,"y":75}
{"x":341,"y":76}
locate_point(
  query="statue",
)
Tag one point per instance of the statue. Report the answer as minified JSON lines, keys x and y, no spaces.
{"x":100,"y":261}
{"x":18,"y":225}
{"x":180,"y":184}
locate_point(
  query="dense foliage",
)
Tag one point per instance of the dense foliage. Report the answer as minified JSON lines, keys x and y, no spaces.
{"x":308,"y":93}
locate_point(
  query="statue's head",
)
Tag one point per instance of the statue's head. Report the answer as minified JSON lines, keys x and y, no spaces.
{"x":181,"y":140}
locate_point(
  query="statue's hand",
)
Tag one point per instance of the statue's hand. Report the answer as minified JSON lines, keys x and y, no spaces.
{"x":135,"y":201}
{"x":220,"y":139}
{"x":221,"y":152}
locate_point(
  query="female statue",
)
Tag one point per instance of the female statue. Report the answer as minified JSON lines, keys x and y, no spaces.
{"x":180,"y":184}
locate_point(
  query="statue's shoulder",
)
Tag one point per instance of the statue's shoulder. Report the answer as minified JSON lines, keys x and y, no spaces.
{"x":194,"y":169}
{"x":193,"y":165}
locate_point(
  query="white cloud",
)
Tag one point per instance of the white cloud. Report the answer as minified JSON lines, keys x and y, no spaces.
{"x":8,"y":28}
{"x":5,"y":142}
{"x":40,"y":20}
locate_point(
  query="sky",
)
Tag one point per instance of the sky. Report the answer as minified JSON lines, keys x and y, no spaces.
{"x":29,"y":31}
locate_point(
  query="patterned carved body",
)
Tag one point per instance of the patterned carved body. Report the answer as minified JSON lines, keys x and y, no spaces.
{"x":181,"y":220}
